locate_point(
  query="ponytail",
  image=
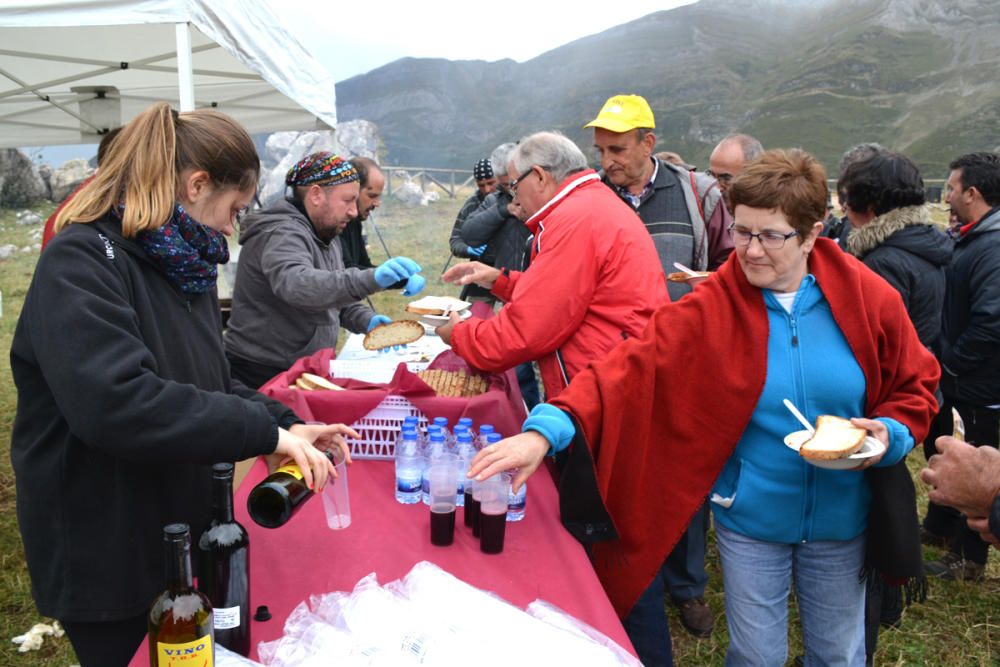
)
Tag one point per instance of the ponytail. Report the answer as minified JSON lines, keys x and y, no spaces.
{"x":142,"y":165}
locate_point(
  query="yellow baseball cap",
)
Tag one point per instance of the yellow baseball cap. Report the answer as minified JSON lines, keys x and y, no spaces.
{"x":622,"y":113}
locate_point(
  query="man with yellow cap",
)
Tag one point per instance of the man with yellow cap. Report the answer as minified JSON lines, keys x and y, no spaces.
{"x":682,"y":212}
{"x":292,"y":289}
{"x":680,"y":208}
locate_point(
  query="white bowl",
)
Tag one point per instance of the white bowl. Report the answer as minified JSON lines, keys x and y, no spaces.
{"x":869,"y":448}
{"x":434,"y":321}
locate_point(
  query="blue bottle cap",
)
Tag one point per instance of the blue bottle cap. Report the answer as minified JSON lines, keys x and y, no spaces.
{"x":466,"y":421}
{"x":485,"y":429}
{"x":494,"y":437}
{"x":465,"y":436}
{"x":441,"y":421}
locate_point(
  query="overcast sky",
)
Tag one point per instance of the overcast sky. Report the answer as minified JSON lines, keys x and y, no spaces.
{"x":353,"y":39}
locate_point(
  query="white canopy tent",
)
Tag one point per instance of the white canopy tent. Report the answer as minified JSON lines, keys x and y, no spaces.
{"x":70,"y":71}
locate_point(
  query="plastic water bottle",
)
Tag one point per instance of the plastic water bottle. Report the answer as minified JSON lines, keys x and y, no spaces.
{"x":467,"y":423}
{"x":409,"y":473}
{"x":466,"y":452}
{"x":449,"y":438}
{"x":435,"y":448}
{"x":484,"y":434}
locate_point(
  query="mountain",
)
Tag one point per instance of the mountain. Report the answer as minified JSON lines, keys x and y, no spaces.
{"x":915,"y":75}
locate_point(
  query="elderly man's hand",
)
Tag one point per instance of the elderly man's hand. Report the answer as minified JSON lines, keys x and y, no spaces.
{"x":444,"y":331}
{"x":964,"y":477}
{"x":472,"y":272}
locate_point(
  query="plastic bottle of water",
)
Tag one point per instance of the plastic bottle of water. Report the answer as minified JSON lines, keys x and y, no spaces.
{"x":466,"y":452}
{"x":516,"y":502}
{"x":484,"y":434}
{"x":449,"y":438}
{"x":435,"y":448}
{"x":409,"y":471}
{"x":467,"y":423}
{"x":408,"y":422}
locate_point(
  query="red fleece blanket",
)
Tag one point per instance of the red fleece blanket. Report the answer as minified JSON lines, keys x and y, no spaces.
{"x":662,"y":414}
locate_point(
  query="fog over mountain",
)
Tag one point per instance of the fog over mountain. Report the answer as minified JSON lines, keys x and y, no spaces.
{"x":916,"y":75}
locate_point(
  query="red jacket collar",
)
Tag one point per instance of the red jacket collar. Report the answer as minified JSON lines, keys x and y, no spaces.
{"x":569,"y":184}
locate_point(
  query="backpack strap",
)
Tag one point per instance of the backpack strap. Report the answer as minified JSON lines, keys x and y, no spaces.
{"x":698,"y":196}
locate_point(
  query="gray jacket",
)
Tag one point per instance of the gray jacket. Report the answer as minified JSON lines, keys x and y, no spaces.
{"x":292,"y":291}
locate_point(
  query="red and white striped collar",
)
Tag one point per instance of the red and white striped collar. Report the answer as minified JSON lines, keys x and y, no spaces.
{"x":571,"y":183}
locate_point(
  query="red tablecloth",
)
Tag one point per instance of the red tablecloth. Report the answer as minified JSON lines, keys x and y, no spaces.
{"x":303,"y":557}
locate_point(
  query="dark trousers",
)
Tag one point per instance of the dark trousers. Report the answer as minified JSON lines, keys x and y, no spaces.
{"x":108,"y":643}
{"x":982,"y":428}
{"x":647,"y":627}
{"x":251,"y":374}
{"x":528,"y":383}
{"x":685,"y":568}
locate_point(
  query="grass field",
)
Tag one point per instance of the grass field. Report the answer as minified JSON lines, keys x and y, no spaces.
{"x":958,"y":625}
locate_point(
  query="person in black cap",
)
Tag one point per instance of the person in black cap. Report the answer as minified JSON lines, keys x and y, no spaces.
{"x":486,"y":183}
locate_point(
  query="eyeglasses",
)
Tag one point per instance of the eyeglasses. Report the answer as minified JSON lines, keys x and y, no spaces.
{"x":721,"y":178}
{"x":768,"y":239}
{"x":517,"y":181}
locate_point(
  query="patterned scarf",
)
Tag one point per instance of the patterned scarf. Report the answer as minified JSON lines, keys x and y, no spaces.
{"x":187,"y":251}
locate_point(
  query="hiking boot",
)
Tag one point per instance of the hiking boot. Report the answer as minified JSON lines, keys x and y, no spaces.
{"x":696,"y":616}
{"x":931,"y":539}
{"x":952,"y":567}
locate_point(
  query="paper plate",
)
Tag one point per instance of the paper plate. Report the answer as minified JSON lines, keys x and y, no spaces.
{"x":869,"y":448}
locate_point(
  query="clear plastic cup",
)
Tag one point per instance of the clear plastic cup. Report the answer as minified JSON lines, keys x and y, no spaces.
{"x":336,"y":500}
{"x":443,"y":482}
{"x":492,"y":512}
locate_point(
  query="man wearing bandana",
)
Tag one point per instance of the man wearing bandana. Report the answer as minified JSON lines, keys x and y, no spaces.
{"x":292,"y":289}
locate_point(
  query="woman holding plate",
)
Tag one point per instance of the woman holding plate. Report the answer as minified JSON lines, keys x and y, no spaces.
{"x":655,"y":428}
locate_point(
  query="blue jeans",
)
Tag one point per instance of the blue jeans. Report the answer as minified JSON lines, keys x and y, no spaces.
{"x":647,"y":628}
{"x":757,"y":578}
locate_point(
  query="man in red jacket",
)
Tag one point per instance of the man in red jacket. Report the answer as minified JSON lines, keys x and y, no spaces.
{"x":594,"y":278}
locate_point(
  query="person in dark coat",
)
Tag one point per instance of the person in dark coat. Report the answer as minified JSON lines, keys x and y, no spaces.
{"x":969,"y":347}
{"x":124,"y":393}
{"x":891,"y":231}
{"x":352,"y":240}
{"x":486,"y":183}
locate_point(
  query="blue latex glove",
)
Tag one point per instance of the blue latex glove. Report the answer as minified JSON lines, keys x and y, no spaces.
{"x":414,"y":285}
{"x":394,"y":270}
{"x":477,"y":251}
{"x":377,"y":320}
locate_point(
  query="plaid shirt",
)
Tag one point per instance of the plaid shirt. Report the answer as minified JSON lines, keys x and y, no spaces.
{"x":636,"y":199}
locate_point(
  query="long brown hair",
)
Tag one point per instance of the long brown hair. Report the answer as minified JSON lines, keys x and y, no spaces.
{"x":144,"y":161}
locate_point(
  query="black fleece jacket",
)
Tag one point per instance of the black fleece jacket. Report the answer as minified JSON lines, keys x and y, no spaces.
{"x":124,"y":402}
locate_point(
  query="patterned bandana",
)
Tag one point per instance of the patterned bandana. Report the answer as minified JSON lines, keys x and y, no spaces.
{"x":187,"y":251}
{"x":483,"y":170}
{"x":323,"y":168}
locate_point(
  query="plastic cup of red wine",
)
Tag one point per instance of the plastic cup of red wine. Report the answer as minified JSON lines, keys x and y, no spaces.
{"x":443,"y":482}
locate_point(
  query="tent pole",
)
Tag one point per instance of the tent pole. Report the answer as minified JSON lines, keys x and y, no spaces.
{"x":185,"y":74}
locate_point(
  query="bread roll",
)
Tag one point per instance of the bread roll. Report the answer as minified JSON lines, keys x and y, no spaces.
{"x":835,"y":438}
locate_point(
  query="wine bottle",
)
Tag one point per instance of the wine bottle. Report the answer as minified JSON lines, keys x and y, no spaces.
{"x":224,"y":572}
{"x":180,"y":621}
{"x":276,"y":499}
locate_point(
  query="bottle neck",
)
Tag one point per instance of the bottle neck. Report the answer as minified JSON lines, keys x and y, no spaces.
{"x":222,"y":499}
{"x":179,"y":566}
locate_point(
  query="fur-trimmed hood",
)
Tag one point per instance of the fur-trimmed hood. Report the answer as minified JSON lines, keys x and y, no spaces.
{"x":922,"y":236}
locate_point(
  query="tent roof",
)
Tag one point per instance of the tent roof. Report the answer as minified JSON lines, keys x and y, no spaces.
{"x":66,"y":68}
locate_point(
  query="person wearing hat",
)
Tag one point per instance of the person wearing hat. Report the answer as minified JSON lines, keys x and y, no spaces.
{"x":681,"y":211}
{"x":486,"y":184}
{"x":680,"y":208}
{"x":292,"y":289}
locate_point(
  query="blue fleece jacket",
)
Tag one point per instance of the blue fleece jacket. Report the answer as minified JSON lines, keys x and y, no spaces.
{"x":766,"y":490}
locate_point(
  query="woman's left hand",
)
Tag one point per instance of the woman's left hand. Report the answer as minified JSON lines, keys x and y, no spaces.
{"x":327,"y":437}
{"x":878,"y":431}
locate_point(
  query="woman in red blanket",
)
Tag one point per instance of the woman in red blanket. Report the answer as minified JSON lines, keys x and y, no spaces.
{"x":697,"y":402}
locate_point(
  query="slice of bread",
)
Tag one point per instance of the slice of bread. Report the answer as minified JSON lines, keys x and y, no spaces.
{"x":316,"y":383}
{"x":399,"y":332}
{"x":835,"y":438}
{"x":437,"y":305}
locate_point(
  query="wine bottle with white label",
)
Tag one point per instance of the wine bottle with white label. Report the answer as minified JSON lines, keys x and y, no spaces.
{"x":224,"y":566}
{"x":181,"y":631}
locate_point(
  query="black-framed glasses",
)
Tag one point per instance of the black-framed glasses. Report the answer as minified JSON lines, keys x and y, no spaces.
{"x":721,"y":178}
{"x":768,"y":239}
{"x":517,"y":181}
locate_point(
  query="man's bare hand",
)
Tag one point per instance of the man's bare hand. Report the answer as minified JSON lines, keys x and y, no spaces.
{"x":471,"y":272}
{"x":964,"y":477}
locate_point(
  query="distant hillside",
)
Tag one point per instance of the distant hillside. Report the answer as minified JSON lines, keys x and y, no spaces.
{"x":917,"y":75}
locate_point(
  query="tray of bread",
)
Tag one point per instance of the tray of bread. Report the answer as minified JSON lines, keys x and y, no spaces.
{"x":454,"y":384}
{"x":836,"y":444}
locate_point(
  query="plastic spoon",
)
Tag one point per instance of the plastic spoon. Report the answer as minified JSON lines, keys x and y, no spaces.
{"x":798,"y":415}
{"x":690,"y":272}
